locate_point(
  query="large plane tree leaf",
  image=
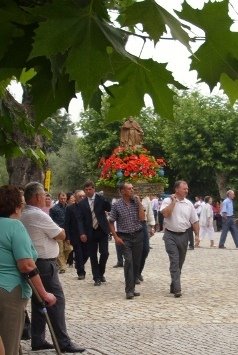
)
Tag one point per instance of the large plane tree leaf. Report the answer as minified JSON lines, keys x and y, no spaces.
{"x":134,"y":80}
{"x":219,"y":53}
{"x":154,"y":19}
{"x":49,"y":100}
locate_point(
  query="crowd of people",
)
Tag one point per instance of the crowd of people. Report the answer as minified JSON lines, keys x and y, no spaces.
{"x":39,"y":237}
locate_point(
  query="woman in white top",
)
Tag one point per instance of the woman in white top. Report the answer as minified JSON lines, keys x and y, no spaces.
{"x":206,"y":221}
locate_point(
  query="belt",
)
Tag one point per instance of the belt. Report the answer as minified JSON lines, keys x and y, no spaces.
{"x":177,"y":233}
{"x":132,"y":233}
{"x":43,"y":259}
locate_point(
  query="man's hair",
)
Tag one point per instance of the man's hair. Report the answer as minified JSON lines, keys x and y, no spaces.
{"x":121,"y":185}
{"x":32,"y":189}
{"x":61,"y":193}
{"x":10,"y":199}
{"x":228,"y":192}
{"x":207,"y":198}
{"x":88,"y":183}
{"x":178,"y":183}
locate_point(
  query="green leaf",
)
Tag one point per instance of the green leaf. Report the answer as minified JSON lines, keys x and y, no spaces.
{"x":27,"y":75}
{"x":230,"y":87}
{"x":88,"y":63}
{"x":135,"y":80}
{"x":154,"y":19}
{"x":219,"y":53}
{"x":49,"y":101}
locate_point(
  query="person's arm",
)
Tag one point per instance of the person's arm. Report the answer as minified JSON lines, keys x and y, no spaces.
{"x":2,"y":350}
{"x":28,"y":268}
{"x":117,"y":239}
{"x":167,"y":211}
{"x":141,"y":208}
{"x":196,"y":231}
{"x":61,"y":235}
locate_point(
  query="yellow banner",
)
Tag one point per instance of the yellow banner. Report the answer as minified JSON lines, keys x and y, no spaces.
{"x":47,"y":180}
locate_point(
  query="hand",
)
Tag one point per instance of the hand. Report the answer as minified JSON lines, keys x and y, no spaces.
{"x":118,"y":241}
{"x":173,"y":197}
{"x":83,"y":238}
{"x":152,"y":231}
{"x":137,"y":198}
{"x":49,"y":299}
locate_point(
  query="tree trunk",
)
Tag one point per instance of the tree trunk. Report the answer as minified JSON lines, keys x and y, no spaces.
{"x":23,"y":169}
{"x":222,"y":180}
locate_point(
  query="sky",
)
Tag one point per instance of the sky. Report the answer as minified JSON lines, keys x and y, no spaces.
{"x":166,"y":51}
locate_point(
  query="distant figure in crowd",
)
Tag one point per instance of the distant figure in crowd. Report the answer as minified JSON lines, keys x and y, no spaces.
{"x":206,"y":221}
{"x":198,"y":204}
{"x":57,"y":213}
{"x":94,"y":229}
{"x":128,"y":213}
{"x":217,"y":215}
{"x":48,"y":203}
{"x":179,"y":214}
{"x":44,"y":233}
{"x":80,"y":248}
{"x":70,"y":198}
{"x":148,"y":226}
{"x":228,"y":221}
{"x":17,"y":264}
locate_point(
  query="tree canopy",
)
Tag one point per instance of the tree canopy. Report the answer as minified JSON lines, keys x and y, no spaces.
{"x":201,"y":141}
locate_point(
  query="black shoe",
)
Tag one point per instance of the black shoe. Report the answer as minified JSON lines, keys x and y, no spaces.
{"x":177,"y":294}
{"x":129,"y":295}
{"x":118,"y":265}
{"x":97,"y":283}
{"x":137,"y":282}
{"x":103,"y":279}
{"x":171,"y":288}
{"x":140,"y":277}
{"x":191,"y":247}
{"x":136,"y":294}
{"x":81,"y":277}
{"x":72,"y":348}
{"x":222,"y":247}
{"x":43,"y":346}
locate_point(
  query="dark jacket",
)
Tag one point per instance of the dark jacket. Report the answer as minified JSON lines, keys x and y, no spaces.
{"x":72,"y":223}
{"x":85,"y":220}
{"x":57,"y":213}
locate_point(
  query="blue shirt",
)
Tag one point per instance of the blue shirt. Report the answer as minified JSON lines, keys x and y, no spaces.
{"x":126,"y":216}
{"x":15,"y":244}
{"x":227,"y":207}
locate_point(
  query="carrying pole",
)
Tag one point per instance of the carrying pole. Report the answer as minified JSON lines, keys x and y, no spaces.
{"x":44,"y":310}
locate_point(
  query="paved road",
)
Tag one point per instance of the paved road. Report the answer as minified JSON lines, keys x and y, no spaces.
{"x":204,"y":321}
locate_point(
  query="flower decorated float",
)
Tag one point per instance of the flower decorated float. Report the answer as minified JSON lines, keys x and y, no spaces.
{"x":133,"y":163}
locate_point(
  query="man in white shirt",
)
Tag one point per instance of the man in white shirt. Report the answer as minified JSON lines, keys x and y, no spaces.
{"x":44,"y":233}
{"x":179,"y":214}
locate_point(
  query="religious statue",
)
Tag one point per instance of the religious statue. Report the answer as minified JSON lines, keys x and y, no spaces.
{"x":131,"y":133}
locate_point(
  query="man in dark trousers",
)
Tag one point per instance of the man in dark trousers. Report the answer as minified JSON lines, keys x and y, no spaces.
{"x":128,"y":213}
{"x":72,"y":232}
{"x":94,"y":229}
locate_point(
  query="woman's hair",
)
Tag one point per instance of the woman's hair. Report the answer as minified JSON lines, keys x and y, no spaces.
{"x":10,"y":199}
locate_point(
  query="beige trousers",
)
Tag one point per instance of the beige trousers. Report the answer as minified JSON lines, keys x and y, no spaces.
{"x":64,"y":251}
{"x":12,"y":317}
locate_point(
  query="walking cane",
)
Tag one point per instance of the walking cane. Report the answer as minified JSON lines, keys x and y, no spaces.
{"x":44,"y":310}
